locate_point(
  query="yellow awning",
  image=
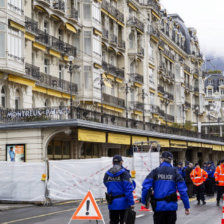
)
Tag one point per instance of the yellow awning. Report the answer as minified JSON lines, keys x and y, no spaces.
{"x":152,"y":90}
{"x":106,"y":83}
{"x":119,"y":80}
{"x":39,"y":89}
{"x":91,"y":136}
{"x":217,"y":147}
{"x":54,"y":93}
{"x":137,"y":84}
{"x":132,"y":6}
{"x":17,"y":26}
{"x":109,"y":76}
{"x":29,"y":36}
{"x":70,"y":28}
{"x":96,"y":65}
{"x":21,"y":80}
{"x":137,"y":112}
{"x":39,"y":46}
{"x":97,"y":32}
{"x":194,"y":144}
{"x":119,"y":139}
{"x":151,"y":66}
{"x":203,"y":145}
{"x":55,"y":53}
{"x":178,"y":144}
{"x":156,"y":15}
{"x":116,"y":109}
{"x":161,"y":141}
{"x":138,"y":139}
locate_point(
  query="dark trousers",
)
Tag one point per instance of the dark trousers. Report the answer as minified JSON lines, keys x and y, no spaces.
{"x":168,"y":217}
{"x":220,"y":191}
{"x":117,"y":216}
{"x":209,"y":185}
{"x":190,"y":189}
{"x":200,"y":192}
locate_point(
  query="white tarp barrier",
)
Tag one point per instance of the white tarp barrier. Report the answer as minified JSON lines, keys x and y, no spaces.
{"x":144,"y":163}
{"x":71,"y":179}
{"x":22,"y":181}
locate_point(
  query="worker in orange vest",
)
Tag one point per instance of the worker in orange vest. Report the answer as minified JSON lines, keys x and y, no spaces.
{"x":219,"y":180}
{"x":198,"y":177}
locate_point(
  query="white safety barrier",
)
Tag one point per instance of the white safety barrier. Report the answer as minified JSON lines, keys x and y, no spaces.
{"x":71,"y":179}
{"x":22,"y":181}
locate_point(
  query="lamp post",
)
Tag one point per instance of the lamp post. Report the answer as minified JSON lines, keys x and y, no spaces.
{"x":197,"y":113}
{"x":143,"y":100}
{"x":183,"y":106}
{"x":70,"y":59}
{"x":101,"y":93}
{"x":126,"y":98}
{"x":166,"y":102}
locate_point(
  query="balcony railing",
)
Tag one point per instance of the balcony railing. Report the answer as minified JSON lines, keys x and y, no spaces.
{"x":121,"y":44}
{"x":188,"y":86}
{"x":31,"y":25}
{"x":137,"y":105}
{"x":133,"y":21}
{"x":137,"y":77}
{"x":187,"y":104}
{"x":74,"y":14}
{"x":59,"y":5}
{"x":8,"y":116}
{"x":187,"y":68}
{"x":115,"y":101}
{"x":161,"y":89}
{"x":113,"y":70}
{"x":153,"y":31}
{"x":169,"y":54}
{"x":57,"y":44}
{"x":161,"y":112}
{"x":120,"y":73}
{"x":154,"y":5}
{"x":169,"y":117}
{"x":43,"y":37}
{"x":49,"y":81}
{"x":169,"y":95}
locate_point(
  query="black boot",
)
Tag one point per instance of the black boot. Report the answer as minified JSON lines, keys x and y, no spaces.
{"x":199,"y":202}
{"x":217,"y":203}
{"x":204,"y":202}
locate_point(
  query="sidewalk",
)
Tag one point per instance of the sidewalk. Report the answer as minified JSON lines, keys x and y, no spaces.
{"x":4,"y":207}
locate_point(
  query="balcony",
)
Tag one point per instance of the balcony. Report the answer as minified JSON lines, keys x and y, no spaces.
{"x":169,"y":54}
{"x":137,"y":105}
{"x":121,"y":44}
{"x":137,"y":77}
{"x":140,"y":52}
{"x":196,"y":89}
{"x":161,"y":89}
{"x":161,"y":112}
{"x":112,"y":100}
{"x":74,"y":14}
{"x":161,"y":44}
{"x":169,"y":117}
{"x":43,"y":37}
{"x":59,"y":5}
{"x":49,"y":81}
{"x":57,"y":44}
{"x":113,"y":39}
{"x":188,"y":86}
{"x":170,"y":75}
{"x":154,"y":32}
{"x":154,"y":109}
{"x":31,"y":25}
{"x":154,"y":5}
{"x":133,"y":21}
{"x":169,"y":95}
{"x":187,"y":104}
{"x":113,"y":70}
{"x":105,"y":34}
{"x":47,"y":2}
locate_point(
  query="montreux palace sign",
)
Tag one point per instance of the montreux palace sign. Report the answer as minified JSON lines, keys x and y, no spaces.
{"x":38,"y":112}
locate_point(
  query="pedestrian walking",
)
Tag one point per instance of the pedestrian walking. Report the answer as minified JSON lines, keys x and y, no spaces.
{"x":119,"y":191}
{"x":164,"y":181}
{"x":198,"y":177}
{"x":219,"y":180}
{"x":188,"y":180}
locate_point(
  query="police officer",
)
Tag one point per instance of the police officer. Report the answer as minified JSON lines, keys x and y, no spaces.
{"x":209,"y":183}
{"x":219,"y":180}
{"x":119,"y":190}
{"x":180,"y":169}
{"x":165,"y":181}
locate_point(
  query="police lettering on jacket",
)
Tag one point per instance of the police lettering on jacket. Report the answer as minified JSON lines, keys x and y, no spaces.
{"x":165,"y":177}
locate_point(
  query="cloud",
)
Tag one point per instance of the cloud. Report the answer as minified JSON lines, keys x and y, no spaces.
{"x":206,"y":17}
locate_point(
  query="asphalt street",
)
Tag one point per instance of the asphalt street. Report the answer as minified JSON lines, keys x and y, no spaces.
{"x":62,"y":212}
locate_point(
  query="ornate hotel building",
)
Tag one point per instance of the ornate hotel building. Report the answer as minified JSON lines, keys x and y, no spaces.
{"x":84,"y":79}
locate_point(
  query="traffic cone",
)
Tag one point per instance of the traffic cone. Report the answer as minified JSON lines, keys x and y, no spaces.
{"x":144,"y":209}
{"x":135,"y":197}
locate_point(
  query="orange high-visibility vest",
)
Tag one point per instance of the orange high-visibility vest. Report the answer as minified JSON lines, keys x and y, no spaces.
{"x":198,"y":177}
{"x":219,"y":175}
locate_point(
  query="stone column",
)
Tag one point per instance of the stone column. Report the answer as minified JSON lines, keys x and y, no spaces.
{"x":194,"y":156}
{"x":205,"y":155}
{"x":182,"y":156}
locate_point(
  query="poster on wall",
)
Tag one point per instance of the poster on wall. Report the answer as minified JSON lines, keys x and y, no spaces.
{"x":15,"y":153}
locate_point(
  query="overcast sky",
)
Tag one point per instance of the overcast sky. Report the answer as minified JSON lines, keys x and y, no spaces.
{"x":206,"y":17}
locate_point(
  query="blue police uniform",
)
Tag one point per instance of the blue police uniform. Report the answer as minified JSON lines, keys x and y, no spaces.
{"x":180,"y":171}
{"x":210,"y":182}
{"x":165,"y":180}
{"x":119,"y":185}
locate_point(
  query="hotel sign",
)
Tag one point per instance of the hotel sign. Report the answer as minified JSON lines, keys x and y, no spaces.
{"x":38,"y":113}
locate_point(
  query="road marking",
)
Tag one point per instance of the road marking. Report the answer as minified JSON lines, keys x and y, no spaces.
{"x":138,"y":216}
{"x":38,"y":216}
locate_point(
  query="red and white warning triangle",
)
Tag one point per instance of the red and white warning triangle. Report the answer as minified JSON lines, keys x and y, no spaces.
{"x":88,"y":209}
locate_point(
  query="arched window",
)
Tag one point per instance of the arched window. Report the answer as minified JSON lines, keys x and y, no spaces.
{"x":131,"y":40}
{"x":3,"y":96}
{"x":17,"y":100}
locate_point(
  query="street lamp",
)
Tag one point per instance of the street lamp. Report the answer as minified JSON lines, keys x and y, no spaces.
{"x":166,"y":102}
{"x":197,"y":114}
{"x":144,"y":94}
{"x":70,"y":59}
{"x":183,"y":106}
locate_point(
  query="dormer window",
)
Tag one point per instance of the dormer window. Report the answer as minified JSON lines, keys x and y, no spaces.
{"x":221,"y":81}
{"x":210,"y":82}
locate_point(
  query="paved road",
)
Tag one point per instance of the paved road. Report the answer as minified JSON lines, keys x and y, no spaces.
{"x":61,"y":214}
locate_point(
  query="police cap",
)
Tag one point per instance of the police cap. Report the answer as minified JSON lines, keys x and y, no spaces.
{"x":167,"y":155}
{"x":117,"y":158}
{"x":180,"y":163}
